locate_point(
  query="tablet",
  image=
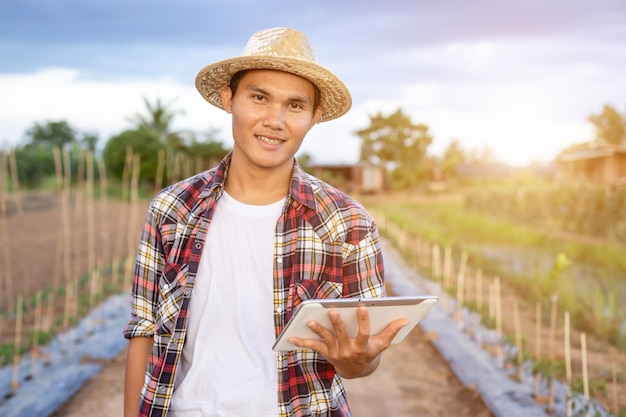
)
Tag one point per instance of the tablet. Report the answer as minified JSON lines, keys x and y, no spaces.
{"x":382,"y":311}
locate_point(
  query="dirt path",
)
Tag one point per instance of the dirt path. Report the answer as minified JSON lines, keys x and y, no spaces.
{"x":413,"y":379}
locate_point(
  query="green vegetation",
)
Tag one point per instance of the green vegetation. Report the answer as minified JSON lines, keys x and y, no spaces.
{"x":591,"y":298}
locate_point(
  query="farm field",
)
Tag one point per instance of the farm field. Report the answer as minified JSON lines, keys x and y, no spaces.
{"x":36,"y":234}
{"x":406,"y":219}
{"x":436,"y":392}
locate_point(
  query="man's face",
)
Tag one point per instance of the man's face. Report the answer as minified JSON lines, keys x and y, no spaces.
{"x":272,"y":112}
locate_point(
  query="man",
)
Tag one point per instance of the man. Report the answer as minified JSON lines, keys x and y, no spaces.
{"x":226,"y":255}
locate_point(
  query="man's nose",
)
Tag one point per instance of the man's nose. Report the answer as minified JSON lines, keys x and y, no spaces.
{"x":275,"y":117}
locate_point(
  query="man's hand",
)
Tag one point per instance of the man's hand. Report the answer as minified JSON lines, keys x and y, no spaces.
{"x":351,"y":357}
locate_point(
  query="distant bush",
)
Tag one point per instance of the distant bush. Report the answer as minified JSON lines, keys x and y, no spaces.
{"x":593,"y":210}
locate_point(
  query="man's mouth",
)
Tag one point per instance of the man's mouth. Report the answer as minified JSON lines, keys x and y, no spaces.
{"x":269,"y":141}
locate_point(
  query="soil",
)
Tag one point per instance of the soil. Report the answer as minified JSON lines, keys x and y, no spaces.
{"x":33,"y":252}
{"x":427,"y":387}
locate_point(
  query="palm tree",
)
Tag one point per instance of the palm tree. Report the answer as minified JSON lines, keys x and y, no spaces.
{"x":159,"y":120}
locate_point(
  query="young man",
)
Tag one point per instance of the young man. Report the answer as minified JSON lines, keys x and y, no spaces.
{"x":226,"y":255}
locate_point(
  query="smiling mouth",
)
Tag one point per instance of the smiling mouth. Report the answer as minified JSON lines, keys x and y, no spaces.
{"x":269,"y":141}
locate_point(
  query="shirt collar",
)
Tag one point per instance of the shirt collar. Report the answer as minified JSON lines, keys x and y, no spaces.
{"x":300,"y":191}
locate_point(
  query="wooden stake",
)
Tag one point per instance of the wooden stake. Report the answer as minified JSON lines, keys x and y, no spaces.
{"x":447,"y":267}
{"x":498,"y":299}
{"x":436,"y":271}
{"x":4,"y":234}
{"x":460,"y":290}
{"x":552,"y":352}
{"x":583,"y":353}
{"x":614,"y":375}
{"x":568,"y":364}
{"x":16,"y":183}
{"x":17,"y":347}
{"x":36,"y":332}
{"x":518,"y":340}
{"x":158,"y":183}
{"x":537,"y":344}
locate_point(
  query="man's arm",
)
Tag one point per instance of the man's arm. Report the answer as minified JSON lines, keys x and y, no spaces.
{"x":136,"y":361}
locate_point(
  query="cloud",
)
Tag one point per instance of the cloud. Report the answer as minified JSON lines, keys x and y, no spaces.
{"x":96,"y":106}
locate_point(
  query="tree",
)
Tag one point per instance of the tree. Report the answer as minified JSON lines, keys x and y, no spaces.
{"x":144,"y":142}
{"x":159,"y":120}
{"x":453,"y":156}
{"x":50,"y":134}
{"x":397,"y":144}
{"x":610,"y":126}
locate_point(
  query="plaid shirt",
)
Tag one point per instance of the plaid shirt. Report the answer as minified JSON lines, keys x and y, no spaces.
{"x":326,"y":246}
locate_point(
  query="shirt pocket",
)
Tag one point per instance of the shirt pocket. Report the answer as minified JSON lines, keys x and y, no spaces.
{"x":313,"y":289}
{"x":171,"y":289}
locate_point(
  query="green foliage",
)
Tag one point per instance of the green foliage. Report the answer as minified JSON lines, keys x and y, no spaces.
{"x":34,"y":164}
{"x":397,"y":144}
{"x":143,"y":142}
{"x":35,"y":159}
{"x":592,"y":302}
{"x":579,"y":208}
{"x":610,"y":126}
{"x":50,"y":134}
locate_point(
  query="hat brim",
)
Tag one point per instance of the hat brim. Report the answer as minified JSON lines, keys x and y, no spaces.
{"x":335,"y":99}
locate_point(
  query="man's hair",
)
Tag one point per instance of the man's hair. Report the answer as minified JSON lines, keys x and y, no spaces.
{"x":234,"y":84}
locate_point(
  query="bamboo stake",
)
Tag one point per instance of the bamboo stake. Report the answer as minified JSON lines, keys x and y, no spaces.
{"x":498,"y":300}
{"x":158,"y":183}
{"x":583,"y":352}
{"x":479,"y":304}
{"x":568,"y":364}
{"x":131,"y":236}
{"x":518,"y":340}
{"x":123,"y":221}
{"x":447,"y":267}
{"x":17,"y":347}
{"x":4,"y":234}
{"x":104,"y":234}
{"x":552,"y":341}
{"x":614,"y":375}
{"x":460,"y":290}
{"x":537,"y":344}
{"x":65,"y":214}
{"x":6,"y":262}
{"x":16,"y":183}
{"x":47,"y":321}
{"x":436,"y":270}
{"x":36,"y":331}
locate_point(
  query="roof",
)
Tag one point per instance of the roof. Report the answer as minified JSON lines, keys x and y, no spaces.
{"x":591,"y":153}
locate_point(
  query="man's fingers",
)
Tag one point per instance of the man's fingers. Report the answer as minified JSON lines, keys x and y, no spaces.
{"x":363,"y":334}
{"x":392,"y":329}
{"x":339,"y":327}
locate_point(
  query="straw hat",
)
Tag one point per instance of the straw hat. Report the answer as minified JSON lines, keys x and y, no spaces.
{"x":281,"y":49}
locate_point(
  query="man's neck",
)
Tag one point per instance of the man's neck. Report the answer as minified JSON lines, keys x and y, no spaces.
{"x":260,"y":187}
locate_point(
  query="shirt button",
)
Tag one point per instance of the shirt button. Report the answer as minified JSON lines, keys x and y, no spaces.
{"x":162,"y":388}
{"x":279,"y":310}
{"x":279,"y":260}
{"x":198,"y":246}
{"x":166,"y":287}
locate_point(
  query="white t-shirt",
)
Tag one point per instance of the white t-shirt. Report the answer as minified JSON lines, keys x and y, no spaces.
{"x":228,"y":368}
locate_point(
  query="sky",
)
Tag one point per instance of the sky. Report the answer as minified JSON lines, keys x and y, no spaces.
{"x":519,"y":78}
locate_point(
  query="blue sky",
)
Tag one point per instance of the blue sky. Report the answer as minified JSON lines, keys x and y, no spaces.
{"x":519,"y":77}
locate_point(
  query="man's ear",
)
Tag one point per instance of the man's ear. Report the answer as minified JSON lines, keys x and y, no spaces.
{"x":227,"y":99}
{"x":317,"y":115}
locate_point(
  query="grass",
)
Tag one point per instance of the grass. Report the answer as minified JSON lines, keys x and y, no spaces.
{"x":447,"y":222}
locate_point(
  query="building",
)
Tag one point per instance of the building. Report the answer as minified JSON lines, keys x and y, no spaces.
{"x":352,"y":178}
{"x":602,"y":165}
